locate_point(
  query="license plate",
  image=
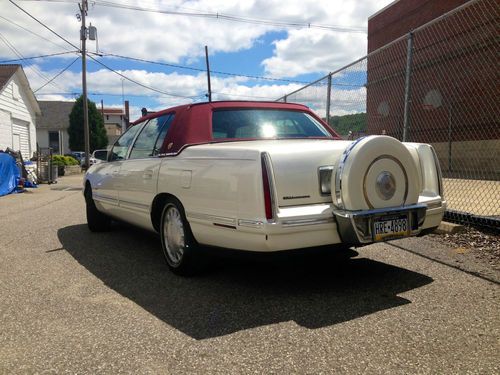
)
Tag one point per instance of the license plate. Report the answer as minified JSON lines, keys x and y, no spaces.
{"x":386,"y":227}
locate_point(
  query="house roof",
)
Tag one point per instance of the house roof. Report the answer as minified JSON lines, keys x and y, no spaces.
{"x":55,"y":115}
{"x":113,"y":111}
{"x":7,"y":71}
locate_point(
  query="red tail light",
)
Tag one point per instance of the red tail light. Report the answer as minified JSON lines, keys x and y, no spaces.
{"x":267,"y":189}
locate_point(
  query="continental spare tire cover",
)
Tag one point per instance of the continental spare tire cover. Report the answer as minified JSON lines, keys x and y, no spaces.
{"x":375,"y":172}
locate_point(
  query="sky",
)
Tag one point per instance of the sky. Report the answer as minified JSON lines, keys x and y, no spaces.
{"x":258,"y":49}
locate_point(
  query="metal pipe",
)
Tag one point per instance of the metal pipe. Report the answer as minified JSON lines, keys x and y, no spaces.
{"x":208,"y":75}
{"x":328,"y":98}
{"x":83,"y":37}
{"x":449,"y":139}
{"x":406,"y":115}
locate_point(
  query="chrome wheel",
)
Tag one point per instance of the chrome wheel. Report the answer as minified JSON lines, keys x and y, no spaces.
{"x":173,"y":234}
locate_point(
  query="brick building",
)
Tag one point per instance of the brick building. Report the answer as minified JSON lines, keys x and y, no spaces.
{"x":453,"y":82}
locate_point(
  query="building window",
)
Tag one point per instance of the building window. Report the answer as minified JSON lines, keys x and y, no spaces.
{"x":107,"y":117}
{"x":54,"y":142}
{"x":432,"y":100}
{"x":383,"y":109}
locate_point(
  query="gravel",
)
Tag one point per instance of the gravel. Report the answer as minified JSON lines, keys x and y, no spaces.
{"x":483,"y":245}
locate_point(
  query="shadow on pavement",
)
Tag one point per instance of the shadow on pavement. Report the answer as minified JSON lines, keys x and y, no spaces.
{"x":313,"y":291}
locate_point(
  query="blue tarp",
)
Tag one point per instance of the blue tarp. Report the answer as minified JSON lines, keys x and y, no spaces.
{"x":9,"y":174}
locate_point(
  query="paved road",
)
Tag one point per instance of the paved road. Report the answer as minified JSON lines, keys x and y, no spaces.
{"x":78,"y":302}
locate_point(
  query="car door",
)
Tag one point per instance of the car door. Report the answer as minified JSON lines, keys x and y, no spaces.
{"x":139,"y":173}
{"x":106,"y":180}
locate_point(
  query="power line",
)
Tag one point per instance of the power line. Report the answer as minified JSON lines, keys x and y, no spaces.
{"x":201,"y":70}
{"x":138,"y":83}
{"x":17,"y":53}
{"x":44,"y":25}
{"x":57,"y":75}
{"x":223,"y":16}
{"x":36,"y":57}
{"x":33,"y":33}
{"x":97,"y":61}
{"x":233,"y":18}
{"x":243,"y":96}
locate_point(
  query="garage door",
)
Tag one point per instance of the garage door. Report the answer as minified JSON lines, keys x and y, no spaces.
{"x":21,"y":135}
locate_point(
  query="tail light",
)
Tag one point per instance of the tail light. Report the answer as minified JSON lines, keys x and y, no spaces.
{"x":267,"y":188}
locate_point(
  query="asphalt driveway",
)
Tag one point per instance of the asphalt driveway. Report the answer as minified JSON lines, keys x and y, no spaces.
{"x":80,"y":302}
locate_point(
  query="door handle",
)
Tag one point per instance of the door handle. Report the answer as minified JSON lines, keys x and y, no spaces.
{"x":148,"y":174}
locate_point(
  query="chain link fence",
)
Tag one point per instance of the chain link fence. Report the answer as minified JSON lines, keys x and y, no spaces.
{"x":438,"y":84}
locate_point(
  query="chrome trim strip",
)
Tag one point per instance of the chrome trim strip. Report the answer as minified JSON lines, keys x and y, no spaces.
{"x":433,"y":205}
{"x":104,"y":199}
{"x":141,"y":206}
{"x":250,"y":223}
{"x":382,"y":211}
{"x":304,"y":222}
{"x":212,"y":218}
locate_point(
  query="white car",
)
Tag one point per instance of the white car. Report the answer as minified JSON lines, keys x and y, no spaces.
{"x":98,"y":156}
{"x":261,"y":177}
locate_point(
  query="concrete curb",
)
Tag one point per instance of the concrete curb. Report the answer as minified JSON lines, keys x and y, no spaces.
{"x":449,"y":228}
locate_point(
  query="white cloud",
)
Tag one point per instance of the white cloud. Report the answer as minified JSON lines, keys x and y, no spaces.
{"x":193,"y":87}
{"x":174,"y":38}
{"x":178,"y":39}
{"x":305,"y":51}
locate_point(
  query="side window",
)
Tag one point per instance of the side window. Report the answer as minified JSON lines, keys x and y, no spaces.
{"x":163,"y":133}
{"x":120,"y":148}
{"x":151,"y":137}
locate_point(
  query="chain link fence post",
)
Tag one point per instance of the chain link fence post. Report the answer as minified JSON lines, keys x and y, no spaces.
{"x":328,"y":98}
{"x":406,"y":115}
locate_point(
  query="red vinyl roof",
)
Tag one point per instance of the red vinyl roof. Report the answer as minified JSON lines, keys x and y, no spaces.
{"x":193,"y":122}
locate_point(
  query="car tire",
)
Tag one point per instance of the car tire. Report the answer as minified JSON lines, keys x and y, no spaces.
{"x":96,"y":220}
{"x":178,"y":244}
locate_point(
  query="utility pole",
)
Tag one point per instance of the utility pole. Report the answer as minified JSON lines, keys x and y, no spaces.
{"x":208,"y":75}
{"x":83,"y":37}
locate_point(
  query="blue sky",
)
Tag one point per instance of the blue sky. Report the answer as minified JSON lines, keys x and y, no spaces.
{"x":270,"y":50}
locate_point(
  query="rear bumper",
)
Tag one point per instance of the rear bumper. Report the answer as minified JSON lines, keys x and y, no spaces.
{"x":357,"y":227}
{"x":308,"y":226}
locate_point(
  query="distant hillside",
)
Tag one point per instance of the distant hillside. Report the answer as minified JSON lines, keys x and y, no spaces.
{"x":343,"y":124}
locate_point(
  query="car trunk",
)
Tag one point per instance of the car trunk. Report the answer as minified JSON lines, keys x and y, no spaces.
{"x":296,"y":169}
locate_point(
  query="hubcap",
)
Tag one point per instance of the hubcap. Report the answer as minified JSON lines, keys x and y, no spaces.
{"x":386,"y":185}
{"x":173,"y":234}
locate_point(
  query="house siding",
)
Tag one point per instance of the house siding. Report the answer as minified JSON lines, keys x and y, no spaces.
{"x":15,"y":111}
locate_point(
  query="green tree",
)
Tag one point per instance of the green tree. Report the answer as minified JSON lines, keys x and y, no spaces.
{"x":343,"y":124}
{"x":98,"y":137}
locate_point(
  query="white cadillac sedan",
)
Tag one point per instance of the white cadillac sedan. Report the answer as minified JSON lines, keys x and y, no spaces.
{"x":260,"y":177}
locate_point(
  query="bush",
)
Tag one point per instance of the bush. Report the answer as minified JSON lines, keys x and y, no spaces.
{"x":69,"y":160}
{"x":60,"y":160}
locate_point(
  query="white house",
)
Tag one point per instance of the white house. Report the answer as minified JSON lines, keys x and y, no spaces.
{"x":18,"y":110}
{"x":52,"y":126}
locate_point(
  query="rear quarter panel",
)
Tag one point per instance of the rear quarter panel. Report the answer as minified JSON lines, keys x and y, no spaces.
{"x":214,"y":186}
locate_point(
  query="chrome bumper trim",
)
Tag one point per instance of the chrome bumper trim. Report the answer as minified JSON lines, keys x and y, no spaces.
{"x":304,"y":222}
{"x":355,"y":227}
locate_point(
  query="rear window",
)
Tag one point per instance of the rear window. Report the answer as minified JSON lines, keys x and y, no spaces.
{"x":265,"y":124}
